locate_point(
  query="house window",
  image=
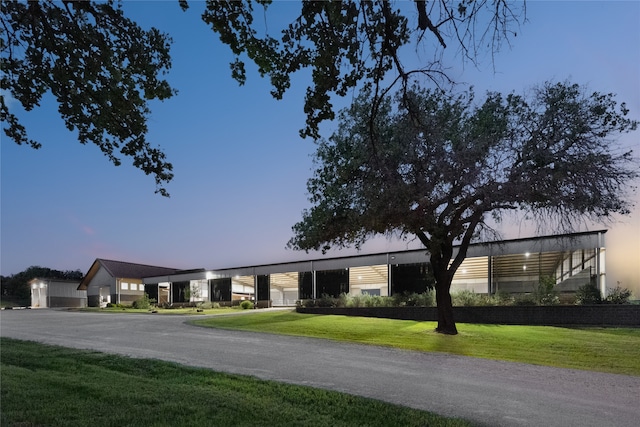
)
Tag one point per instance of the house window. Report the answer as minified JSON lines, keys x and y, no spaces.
{"x":134,"y":286}
{"x":141,"y":287}
{"x":124,"y":286}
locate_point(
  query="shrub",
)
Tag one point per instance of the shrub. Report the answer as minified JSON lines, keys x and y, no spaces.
{"x":525,"y":299}
{"x":245,"y":305}
{"x":306,"y":303}
{"x":503,"y":298}
{"x":618,"y":295}
{"x":117,"y":305}
{"x":588,"y":294}
{"x":326,"y":301}
{"x":546,"y":293}
{"x":355,"y":301}
{"x":142,"y":303}
{"x":205,"y":305}
{"x":343,"y":300}
{"x":426,"y":299}
{"x":215,"y":305}
{"x":465,"y":298}
{"x":366,"y":300}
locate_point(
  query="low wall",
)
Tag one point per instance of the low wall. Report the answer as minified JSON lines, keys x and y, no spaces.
{"x":602,"y":315}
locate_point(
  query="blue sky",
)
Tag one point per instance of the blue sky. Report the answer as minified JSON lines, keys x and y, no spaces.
{"x":240,"y":166}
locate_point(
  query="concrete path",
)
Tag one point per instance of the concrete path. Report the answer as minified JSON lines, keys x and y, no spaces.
{"x":487,"y":392}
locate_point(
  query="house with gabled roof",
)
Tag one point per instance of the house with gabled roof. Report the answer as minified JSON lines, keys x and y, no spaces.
{"x":117,"y":282}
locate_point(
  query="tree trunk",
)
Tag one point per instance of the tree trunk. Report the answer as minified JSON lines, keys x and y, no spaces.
{"x":446,"y":324}
{"x":441,"y":252}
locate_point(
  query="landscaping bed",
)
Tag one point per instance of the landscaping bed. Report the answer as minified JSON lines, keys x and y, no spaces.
{"x":598,"y":314}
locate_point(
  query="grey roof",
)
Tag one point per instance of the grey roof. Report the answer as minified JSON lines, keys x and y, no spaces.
{"x":130,"y":270}
{"x":123,"y":270}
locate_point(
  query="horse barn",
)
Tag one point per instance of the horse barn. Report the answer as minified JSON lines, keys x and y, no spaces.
{"x":513,"y":266}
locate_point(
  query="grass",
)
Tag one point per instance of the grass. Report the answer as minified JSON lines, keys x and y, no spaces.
{"x":612,"y":350}
{"x":158,"y":310}
{"x":56,"y":386}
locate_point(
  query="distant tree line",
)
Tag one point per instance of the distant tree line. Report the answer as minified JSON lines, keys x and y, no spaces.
{"x":17,"y":285}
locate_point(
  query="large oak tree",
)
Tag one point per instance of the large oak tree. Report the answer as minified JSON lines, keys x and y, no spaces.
{"x":103,"y":69}
{"x":437,"y":167}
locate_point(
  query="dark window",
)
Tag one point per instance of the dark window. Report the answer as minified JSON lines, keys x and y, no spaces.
{"x":332,"y":282}
{"x":410,"y":278}
{"x":305,"y":285}
{"x":151,"y":290}
{"x":220,"y":289}
{"x":263,"y":288}
{"x":180,"y":291}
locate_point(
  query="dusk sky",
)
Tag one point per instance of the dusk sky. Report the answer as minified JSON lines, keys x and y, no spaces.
{"x":240,"y":166}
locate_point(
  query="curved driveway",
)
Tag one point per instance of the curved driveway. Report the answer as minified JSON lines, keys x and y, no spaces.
{"x":487,"y":392}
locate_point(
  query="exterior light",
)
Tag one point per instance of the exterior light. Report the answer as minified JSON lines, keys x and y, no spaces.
{"x":527,"y":254}
{"x":524,"y":268}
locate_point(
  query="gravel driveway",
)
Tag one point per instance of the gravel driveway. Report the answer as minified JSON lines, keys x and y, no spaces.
{"x":487,"y":392}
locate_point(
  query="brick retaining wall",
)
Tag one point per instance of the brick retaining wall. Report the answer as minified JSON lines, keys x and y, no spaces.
{"x":604,"y":314}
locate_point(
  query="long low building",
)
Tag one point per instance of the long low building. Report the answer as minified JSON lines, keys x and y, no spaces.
{"x":513,"y":266}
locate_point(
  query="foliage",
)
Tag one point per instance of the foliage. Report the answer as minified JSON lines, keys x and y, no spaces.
{"x":245,"y":305}
{"x":426,"y":299}
{"x":101,"y":68}
{"x":353,"y":43}
{"x":546,"y":294}
{"x":83,"y":388}
{"x":326,"y":300}
{"x":465,"y":298}
{"x":525,"y":299}
{"x":365,"y":300}
{"x":588,"y":294}
{"x":118,"y":305}
{"x":618,"y":295}
{"x":435,"y":166}
{"x":142,"y":303}
{"x":503,"y":298}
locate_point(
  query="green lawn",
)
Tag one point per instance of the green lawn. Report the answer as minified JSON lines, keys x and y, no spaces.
{"x":55,"y":386}
{"x":613,"y":350}
{"x":157,"y":310}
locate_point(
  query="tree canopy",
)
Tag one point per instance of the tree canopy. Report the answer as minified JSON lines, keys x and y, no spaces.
{"x":103,"y":69}
{"x":17,"y":285}
{"x":347,"y":44}
{"x":438,"y":166}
